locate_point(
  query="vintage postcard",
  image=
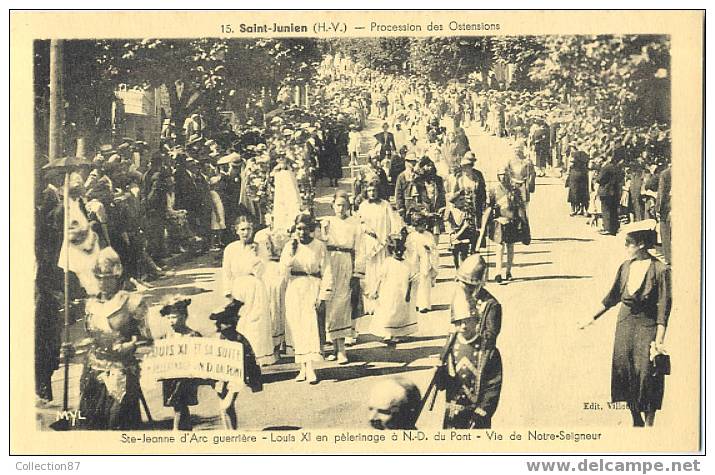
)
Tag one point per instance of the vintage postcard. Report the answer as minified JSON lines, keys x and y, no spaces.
{"x":356,"y":232}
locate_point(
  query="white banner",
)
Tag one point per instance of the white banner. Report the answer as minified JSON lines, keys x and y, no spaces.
{"x":195,"y":357}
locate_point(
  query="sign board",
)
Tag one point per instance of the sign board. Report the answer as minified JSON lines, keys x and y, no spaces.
{"x":136,"y":101}
{"x":195,"y":357}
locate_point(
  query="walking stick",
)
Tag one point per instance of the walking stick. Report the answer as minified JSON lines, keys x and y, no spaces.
{"x":483,"y":228}
{"x":142,"y":399}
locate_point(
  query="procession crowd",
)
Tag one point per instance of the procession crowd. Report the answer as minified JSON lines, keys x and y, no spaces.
{"x":294,"y":282}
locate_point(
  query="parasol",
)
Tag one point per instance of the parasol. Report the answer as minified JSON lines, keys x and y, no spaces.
{"x":68,"y":165}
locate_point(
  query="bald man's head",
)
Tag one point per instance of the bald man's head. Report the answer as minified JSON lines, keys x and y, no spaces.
{"x":393,"y":404}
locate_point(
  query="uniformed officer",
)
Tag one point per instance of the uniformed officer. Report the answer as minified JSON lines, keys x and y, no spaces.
{"x":472,"y":374}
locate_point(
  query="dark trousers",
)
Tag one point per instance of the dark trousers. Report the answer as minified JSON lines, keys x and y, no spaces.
{"x":609,"y":210}
{"x":155,"y":240}
{"x":665,"y":238}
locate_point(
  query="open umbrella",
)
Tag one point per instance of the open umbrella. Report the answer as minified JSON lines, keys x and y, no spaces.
{"x":68,"y":165}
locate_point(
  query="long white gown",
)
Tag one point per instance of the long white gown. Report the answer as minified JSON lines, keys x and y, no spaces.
{"x":380,"y":219}
{"x":302,"y":292}
{"x":339,"y":236}
{"x":394,"y":315}
{"x":422,"y":252}
{"x":241,"y":279}
{"x":286,"y":199}
{"x":270,"y":245}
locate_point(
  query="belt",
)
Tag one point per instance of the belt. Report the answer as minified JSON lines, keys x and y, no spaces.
{"x":275,"y":259}
{"x":298,"y":273}
{"x":340,"y":249}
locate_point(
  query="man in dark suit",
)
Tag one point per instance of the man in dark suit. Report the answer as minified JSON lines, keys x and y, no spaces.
{"x":405,"y":192}
{"x":610,"y":184}
{"x":386,"y":140}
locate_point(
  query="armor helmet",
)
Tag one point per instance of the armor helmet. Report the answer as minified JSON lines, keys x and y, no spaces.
{"x":473,"y":270}
{"x":108,"y":264}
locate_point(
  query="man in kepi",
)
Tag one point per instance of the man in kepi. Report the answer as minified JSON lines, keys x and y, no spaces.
{"x":472,"y":373}
{"x":394,"y":404}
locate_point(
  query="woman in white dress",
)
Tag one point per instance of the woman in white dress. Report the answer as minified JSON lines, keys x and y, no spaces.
{"x":394,"y":317}
{"x":242,"y":269}
{"x":422,"y":253}
{"x":270,"y":245}
{"x":341,"y":234}
{"x":307,"y":268}
{"x":378,"y":220}
{"x":286,"y":197}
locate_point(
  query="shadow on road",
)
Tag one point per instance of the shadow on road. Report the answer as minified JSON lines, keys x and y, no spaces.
{"x":441,"y":306}
{"x":561,"y":239}
{"x":383,"y":354}
{"x":531,"y":264}
{"x":155,"y":295}
{"x":549,"y":277}
{"x":363,"y":371}
{"x":187,"y":278}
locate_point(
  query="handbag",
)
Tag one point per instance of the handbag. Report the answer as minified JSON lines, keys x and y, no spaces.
{"x":661,"y":364}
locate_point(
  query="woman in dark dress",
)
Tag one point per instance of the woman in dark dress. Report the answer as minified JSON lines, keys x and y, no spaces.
{"x":642,"y":286}
{"x":577,"y":183}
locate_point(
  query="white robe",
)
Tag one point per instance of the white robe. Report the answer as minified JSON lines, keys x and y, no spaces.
{"x":270,"y":245}
{"x":378,"y":218}
{"x":345,"y":234}
{"x":422,"y":253}
{"x":286,"y":200}
{"x":302,"y":293}
{"x":394,"y":315}
{"x":241,"y":280}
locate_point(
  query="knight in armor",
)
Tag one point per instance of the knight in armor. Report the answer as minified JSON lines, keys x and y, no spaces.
{"x":470,"y":187}
{"x":109,"y":387}
{"x":472,"y":373}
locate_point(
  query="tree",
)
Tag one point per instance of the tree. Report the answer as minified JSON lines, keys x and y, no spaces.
{"x":445,"y":58}
{"x":521,"y":52}
{"x":388,"y":55}
{"x":615,"y":74}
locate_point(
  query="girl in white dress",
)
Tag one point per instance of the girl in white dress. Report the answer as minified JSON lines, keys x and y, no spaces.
{"x":422,"y":253}
{"x":270,"y":245}
{"x":341,"y":234}
{"x":393,"y":315}
{"x":378,"y":220}
{"x":242,"y":269}
{"x":307,"y":267}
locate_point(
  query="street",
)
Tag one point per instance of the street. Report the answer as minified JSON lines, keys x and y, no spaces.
{"x":552,"y":370}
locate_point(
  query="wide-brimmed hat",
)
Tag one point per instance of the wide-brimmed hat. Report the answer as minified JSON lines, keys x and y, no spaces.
{"x":172,"y":303}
